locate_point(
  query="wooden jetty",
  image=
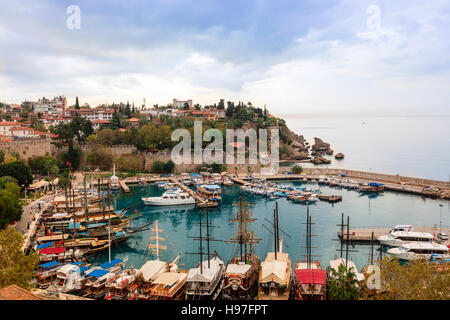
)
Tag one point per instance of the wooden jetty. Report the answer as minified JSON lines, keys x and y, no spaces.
{"x":124,"y":186}
{"x":365,"y":234}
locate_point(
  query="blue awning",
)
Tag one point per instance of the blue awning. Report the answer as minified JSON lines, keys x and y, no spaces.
{"x":195,"y":174}
{"x":49,"y":265}
{"x":45,"y":245}
{"x":83,"y":269}
{"x":108,"y":265}
{"x":97,"y":273}
{"x":76,"y":263}
{"x":96,"y":225}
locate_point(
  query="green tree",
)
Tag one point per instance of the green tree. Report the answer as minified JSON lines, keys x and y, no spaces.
{"x":297,"y":169}
{"x":2,"y":156}
{"x":19,"y":171}
{"x":77,"y":104}
{"x":10,"y":207}
{"x":342,"y":284}
{"x":15,"y":267}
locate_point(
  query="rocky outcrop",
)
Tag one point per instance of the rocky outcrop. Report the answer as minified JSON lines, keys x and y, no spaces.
{"x":339,"y":156}
{"x":298,"y":143}
{"x":320,"y":160}
{"x":329,"y":152}
{"x":436,"y":192}
{"x":319,"y":145}
{"x":299,"y":156}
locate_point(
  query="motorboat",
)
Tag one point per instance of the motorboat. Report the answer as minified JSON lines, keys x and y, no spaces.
{"x":397,"y":238}
{"x":114,"y":183}
{"x":420,"y":250}
{"x":170,"y":198}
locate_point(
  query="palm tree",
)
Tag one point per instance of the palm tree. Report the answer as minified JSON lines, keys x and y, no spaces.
{"x":342,"y":284}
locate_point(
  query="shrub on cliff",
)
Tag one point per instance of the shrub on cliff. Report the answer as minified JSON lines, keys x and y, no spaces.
{"x":297,"y":169}
{"x":10,"y":207}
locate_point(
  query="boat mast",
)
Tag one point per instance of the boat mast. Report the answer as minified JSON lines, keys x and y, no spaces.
{"x":207,"y":235}
{"x":201,"y":244}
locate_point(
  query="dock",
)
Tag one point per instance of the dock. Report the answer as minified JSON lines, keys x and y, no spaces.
{"x":365,"y":234}
{"x":324,"y":197}
{"x":124,"y":186}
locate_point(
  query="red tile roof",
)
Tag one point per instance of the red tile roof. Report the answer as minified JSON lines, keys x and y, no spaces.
{"x":13,"y":292}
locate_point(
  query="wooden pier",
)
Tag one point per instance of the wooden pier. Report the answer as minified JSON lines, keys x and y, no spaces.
{"x":124,"y":186}
{"x":365,"y":234}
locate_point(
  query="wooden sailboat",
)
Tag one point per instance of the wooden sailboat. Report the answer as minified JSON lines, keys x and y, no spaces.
{"x":241,"y":273}
{"x":205,"y":281}
{"x":152,"y":269}
{"x":309,"y":281}
{"x":274,"y":282}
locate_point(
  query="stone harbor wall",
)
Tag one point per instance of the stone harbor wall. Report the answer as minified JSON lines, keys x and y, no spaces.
{"x":116,"y":151}
{"x":28,"y":148}
{"x":376,"y":176}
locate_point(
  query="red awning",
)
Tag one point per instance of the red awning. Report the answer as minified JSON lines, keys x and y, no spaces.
{"x":56,"y":250}
{"x":311,"y":276}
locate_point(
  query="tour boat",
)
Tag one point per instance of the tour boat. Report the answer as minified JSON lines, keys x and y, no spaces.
{"x":420,"y":250}
{"x":169,"y":286}
{"x":274,"y":281}
{"x":397,"y":238}
{"x":241,"y":273}
{"x":373,"y":187}
{"x":309,"y":280}
{"x":118,"y":285}
{"x":402,"y":227}
{"x":211,"y":192}
{"x":153,"y":268}
{"x":205,"y":281}
{"x":170,"y":199}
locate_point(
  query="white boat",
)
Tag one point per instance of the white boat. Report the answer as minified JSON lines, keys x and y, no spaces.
{"x":397,"y":238}
{"x":187,"y":182}
{"x":170,"y":198}
{"x":402,"y":227}
{"x":420,"y":250}
{"x":114,"y":180}
{"x":205,"y":281}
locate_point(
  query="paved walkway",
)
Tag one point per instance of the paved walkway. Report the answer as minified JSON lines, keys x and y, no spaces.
{"x":31,"y":215}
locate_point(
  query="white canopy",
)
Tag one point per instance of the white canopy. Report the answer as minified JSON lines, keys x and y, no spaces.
{"x":152,"y":269}
{"x":170,"y":278}
{"x":275,"y":270}
{"x":238,"y":268}
{"x":207,"y":274}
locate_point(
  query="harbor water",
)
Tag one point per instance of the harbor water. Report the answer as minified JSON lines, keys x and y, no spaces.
{"x":408,"y":146}
{"x":180,"y":223}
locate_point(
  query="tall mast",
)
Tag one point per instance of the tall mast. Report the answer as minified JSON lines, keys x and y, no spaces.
{"x":243,"y":236}
{"x":207,"y":235}
{"x":201,"y":245}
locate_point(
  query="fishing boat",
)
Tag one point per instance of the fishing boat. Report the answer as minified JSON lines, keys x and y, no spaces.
{"x":47,"y":273}
{"x":241,"y":273}
{"x":205,"y":281}
{"x":170,"y":199}
{"x":274,"y":282}
{"x":372,"y":187}
{"x":420,"y":250}
{"x":309,"y":281}
{"x":212,"y":192}
{"x":114,"y":183}
{"x":398,"y":238}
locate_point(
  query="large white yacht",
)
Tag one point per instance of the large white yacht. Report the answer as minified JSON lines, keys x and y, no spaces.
{"x":170,"y":198}
{"x":397,"y":238}
{"x":419,"y":250}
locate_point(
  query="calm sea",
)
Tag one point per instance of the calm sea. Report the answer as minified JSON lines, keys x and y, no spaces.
{"x":410,"y":146}
{"x":181,"y":223}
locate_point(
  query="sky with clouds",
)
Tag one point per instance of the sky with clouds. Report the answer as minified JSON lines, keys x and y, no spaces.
{"x":297,"y":57}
